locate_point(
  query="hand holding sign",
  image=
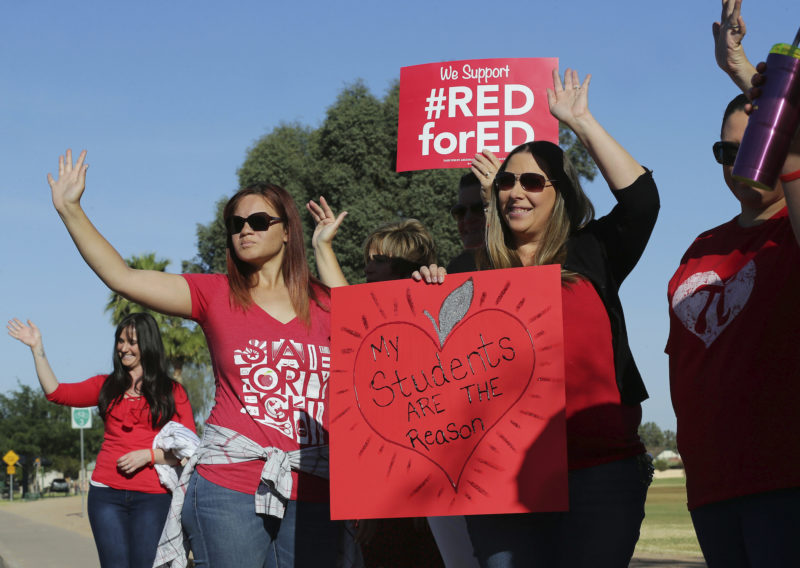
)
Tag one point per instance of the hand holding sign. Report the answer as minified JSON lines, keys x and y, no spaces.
{"x":484,"y":166}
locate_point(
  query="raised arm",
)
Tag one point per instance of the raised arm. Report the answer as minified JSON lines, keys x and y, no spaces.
{"x":160,"y":291}
{"x":569,"y":103}
{"x":728,"y":35}
{"x":330,"y":272}
{"x":31,"y":336}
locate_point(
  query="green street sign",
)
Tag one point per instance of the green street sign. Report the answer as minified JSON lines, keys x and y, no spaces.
{"x":81,"y":418}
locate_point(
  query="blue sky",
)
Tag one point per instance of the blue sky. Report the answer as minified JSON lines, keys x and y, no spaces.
{"x":168,"y":96}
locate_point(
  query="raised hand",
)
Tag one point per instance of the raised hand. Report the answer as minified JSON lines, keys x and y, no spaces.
{"x":327,"y":222}
{"x":569,"y":101}
{"x":728,"y":50}
{"x":28,"y":334}
{"x":71,"y":182}
{"x":485,"y":166}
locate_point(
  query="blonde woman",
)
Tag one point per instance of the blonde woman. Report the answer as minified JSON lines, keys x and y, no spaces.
{"x":538,"y":214}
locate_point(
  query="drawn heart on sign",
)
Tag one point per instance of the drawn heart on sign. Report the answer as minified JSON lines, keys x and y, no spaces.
{"x":706,"y":305}
{"x":440,"y":399}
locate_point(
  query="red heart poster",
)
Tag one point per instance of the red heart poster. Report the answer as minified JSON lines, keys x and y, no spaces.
{"x":448,"y":399}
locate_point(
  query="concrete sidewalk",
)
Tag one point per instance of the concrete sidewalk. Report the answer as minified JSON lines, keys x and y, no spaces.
{"x":46,"y":533}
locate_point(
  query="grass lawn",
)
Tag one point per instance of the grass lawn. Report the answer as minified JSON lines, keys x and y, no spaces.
{"x":667,"y":527}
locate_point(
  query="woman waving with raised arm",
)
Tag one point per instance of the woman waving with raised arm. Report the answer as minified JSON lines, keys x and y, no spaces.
{"x":127,"y":502}
{"x":259,"y":491}
{"x":538,"y":214}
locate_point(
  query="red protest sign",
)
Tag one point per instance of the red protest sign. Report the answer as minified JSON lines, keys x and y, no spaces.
{"x":451,"y":111}
{"x":448,"y":400}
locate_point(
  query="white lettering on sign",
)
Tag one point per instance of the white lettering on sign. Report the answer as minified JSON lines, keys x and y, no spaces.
{"x":484,"y":100}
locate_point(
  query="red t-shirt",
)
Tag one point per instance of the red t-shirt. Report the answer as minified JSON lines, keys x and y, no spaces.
{"x":600,"y":429}
{"x":128,"y":427}
{"x":271,"y":380}
{"x":734,"y":358}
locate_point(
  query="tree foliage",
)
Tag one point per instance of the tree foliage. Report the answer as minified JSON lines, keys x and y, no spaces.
{"x":184,"y":343}
{"x":33,"y":428}
{"x":656,"y":440}
{"x":351,"y":160}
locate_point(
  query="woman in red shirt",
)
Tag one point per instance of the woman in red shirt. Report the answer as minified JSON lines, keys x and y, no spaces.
{"x":538,"y":214}
{"x":260,"y":490}
{"x":127,"y":503}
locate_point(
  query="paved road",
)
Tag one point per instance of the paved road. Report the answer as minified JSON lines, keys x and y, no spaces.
{"x":51,"y":533}
{"x":28,"y":544}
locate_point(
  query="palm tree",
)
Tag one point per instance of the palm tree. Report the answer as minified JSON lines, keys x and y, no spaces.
{"x":184,"y":342}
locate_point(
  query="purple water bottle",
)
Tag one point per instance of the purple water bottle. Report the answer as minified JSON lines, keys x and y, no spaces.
{"x":774,"y":120}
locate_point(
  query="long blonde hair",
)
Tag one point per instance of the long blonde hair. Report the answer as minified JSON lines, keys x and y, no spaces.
{"x":571,"y":211}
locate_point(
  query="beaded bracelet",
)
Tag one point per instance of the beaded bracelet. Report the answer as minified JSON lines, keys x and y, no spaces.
{"x":791,"y":176}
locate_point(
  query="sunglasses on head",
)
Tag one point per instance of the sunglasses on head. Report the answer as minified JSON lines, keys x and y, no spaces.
{"x":725,"y":152}
{"x":529,"y":181}
{"x":257,"y":221}
{"x":460,"y":211}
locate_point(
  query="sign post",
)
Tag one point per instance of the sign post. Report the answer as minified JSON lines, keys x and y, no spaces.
{"x":11,"y":458}
{"x":81,"y":419}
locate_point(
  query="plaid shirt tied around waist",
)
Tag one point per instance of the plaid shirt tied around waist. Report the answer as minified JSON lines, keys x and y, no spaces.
{"x":222,"y":445}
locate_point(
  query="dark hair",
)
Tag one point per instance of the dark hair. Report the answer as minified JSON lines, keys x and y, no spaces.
{"x":468,"y":180}
{"x":572,"y":210}
{"x":302,"y":286}
{"x":156,"y":385}
{"x":736,"y":104}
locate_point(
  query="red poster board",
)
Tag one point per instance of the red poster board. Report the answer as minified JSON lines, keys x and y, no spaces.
{"x":448,"y":399}
{"x":451,"y":111}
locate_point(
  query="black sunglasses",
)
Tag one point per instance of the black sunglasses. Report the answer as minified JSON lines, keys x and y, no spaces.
{"x":725,"y":152}
{"x":257,"y":221}
{"x":529,"y":181}
{"x":460,"y":211}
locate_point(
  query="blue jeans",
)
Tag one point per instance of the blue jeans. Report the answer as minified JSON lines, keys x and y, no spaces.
{"x":754,"y":531}
{"x":225,"y":531}
{"x":126,"y":525}
{"x":600,"y":530}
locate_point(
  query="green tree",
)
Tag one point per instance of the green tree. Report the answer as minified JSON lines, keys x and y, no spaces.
{"x":351,"y":161}
{"x":211,"y":247}
{"x":670,"y":441}
{"x":184,"y":342}
{"x":652,"y":437}
{"x":578,"y":155}
{"x":33,"y":428}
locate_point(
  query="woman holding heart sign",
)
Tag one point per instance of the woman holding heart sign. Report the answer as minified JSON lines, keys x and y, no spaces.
{"x":538,"y":214}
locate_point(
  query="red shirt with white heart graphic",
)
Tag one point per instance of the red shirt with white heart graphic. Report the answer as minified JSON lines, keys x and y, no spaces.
{"x":271,"y":382}
{"x":734,"y":360}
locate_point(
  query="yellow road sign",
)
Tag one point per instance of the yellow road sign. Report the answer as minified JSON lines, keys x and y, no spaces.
{"x":11,"y":458}
{"x":11,"y":470}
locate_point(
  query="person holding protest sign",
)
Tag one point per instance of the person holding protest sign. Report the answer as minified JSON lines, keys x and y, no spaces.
{"x":127,"y":503}
{"x":259,"y":490}
{"x":402,"y":249}
{"x":393,"y":251}
{"x":538,"y":214}
{"x":733,"y":355}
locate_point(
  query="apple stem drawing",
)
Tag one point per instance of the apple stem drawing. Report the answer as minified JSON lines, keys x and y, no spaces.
{"x":454,"y":307}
